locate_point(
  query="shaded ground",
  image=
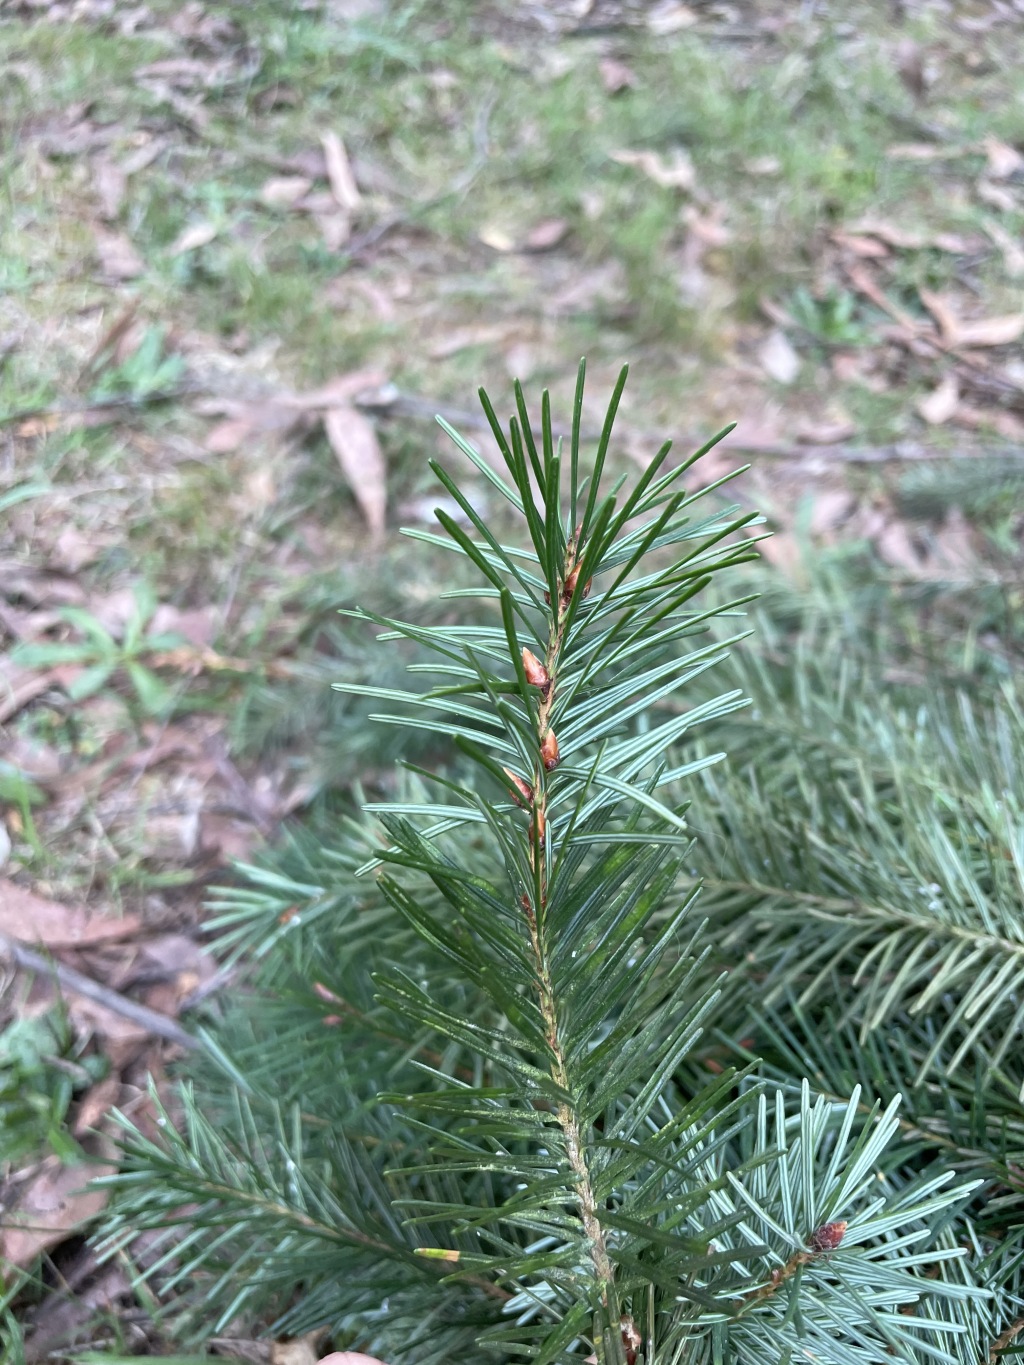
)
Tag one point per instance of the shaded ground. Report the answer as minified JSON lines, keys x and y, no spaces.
{"x":249,"y":250}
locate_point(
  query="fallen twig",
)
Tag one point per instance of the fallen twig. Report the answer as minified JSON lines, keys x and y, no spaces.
{"x":69,"y":407}
{"x":160,"y":1025}
{"x":392,"y":402}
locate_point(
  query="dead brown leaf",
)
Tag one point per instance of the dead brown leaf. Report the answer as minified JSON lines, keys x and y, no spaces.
{"x":339,"y":173}
{"x":864,"y":282}
{"x":183,"y":71}
{"x":121,"y":1040}
{"x":112,"y":337}
{"x":38,"y":426}
{"x":910,"y":64}
{"x":318,"y":202}
{"x":831,"y":508}
{"x":705,"y":231}
{"x":546,"y":235}
{"x":147,"y":149}
{"x":896,"y":547}
{"x":41,"y":762}
{"x":462,"y":338}
{"x":109,"y":182}
{"x":1004,"y":161}
{"x":959,"y":333}
{"x":53,"y":1206}
{"x":942,"y":312}
{"x":354,"y":441}
{"x":940,"y":405}
{"x":95,"y":1104}
{"x":955,"y":546}
{"x":925,"y":151}
{"x":825,"y":431}
{"x":905,"y":239}
{"x":227,"y":436}
{"x":335,"y":228}
{"x":283,"y":411}
{"x":33,"y":919}
{"x":284,"y":191}
{"x":670,"y":17}
{"x":119,"y":261}
{"x":497,"y":238}
{"x":674,"y":172}
{"x":63,"y":1317}
{"x":996,"y":196}
{"x":867,"y":248}
{"x":192,"y":238}
{"x":246,"y":420}
{"x":19,"y":582}
{"x":236,"y":1349}
{"x":73,"y":550}
{"x":338,"y":392}
{"x":616,"y":76}
{"x":777,"y":357}
{"x":1012,"y":249}
{"x":1005,"y":424}
{"x":19,"y":686}
{"x":115,"y":609}
{"x":301,"y":1351}
{"x":179,"y":960}
{"x":197,"y":625}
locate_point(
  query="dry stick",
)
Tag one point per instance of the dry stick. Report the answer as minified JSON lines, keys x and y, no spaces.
{"x":73,"y":406}
{"x":391,"y":402}
{"x":1004,"y":1339}
{"x":160,"y":1025}
{"x":970,"y":370}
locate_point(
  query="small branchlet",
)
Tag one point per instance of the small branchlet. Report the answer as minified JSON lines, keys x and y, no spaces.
{"x":822,"y":1240}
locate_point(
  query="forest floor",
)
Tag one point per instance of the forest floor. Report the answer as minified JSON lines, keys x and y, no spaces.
{"x":249,"y":250}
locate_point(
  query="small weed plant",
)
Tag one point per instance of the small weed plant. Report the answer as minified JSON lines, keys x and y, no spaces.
{"x":497,"y":1100}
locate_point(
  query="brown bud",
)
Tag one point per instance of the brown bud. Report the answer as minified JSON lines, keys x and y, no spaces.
{"x":536,"y":674}
{"x":569,"y":586}
{"x":522,"y":787}
{"x":587,"y":586}
{"x":631,"y":1338}
{"x":828,"y":1236}
{"x":549,"y":750}
{"x":326,"y":994}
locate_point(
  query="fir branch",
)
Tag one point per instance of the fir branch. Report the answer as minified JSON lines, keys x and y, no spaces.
{"x":572,"y":1176}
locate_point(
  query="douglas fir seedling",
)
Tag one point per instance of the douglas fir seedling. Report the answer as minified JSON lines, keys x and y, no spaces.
{"x":472,"y":1127}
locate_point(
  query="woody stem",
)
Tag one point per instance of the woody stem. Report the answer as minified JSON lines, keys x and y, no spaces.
{"x":567,"y":1117}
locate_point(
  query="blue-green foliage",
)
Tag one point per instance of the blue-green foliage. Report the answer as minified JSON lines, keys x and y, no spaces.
{"x":478,"y":1113}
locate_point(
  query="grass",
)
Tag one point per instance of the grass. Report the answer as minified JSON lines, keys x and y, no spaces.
{"x":470,"y":129}
{"x":473,"y":131}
